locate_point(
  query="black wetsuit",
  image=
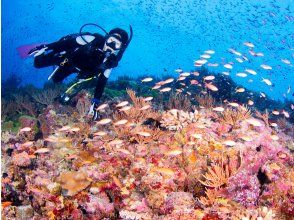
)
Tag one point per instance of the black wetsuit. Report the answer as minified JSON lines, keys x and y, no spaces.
{"x":86,"y":60}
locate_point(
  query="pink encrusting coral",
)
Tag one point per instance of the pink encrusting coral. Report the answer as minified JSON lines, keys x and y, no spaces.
{"x":172,"y":164}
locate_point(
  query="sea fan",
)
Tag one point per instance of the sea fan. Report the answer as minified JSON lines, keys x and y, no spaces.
{"x":206,"y":101}
{"x":233,"y":116}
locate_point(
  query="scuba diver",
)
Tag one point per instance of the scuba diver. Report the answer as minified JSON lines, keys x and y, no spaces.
{"x":91,"y":56}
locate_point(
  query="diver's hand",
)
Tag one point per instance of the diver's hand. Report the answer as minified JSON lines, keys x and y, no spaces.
{"x":38,"y":50}
{"x":93,"y":109}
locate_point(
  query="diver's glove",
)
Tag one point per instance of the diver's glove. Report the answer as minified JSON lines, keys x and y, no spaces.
{"x":93,"y":109}
{"x":38,"y":50}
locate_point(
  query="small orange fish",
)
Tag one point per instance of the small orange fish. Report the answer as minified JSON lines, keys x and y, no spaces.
{"x":181,"y":78}
{"x":228,"y":66}
{"x":250,"y":102}
{"x":145,"y":107}
{"x":122,"y":104}
{"x":229,"y":143}
{"x":148,"y":79}
{"x":169,"y":80}
{"x":185,"y":74}
{"x":156,"y":87}
{"x":211,"y":87}
{"x":143,"y":133}
{"x":101,"y":107}
{"x":209,"y":78}
{"x":248,"y":44}
{"x":6,"y":204}
{"x":194,"y":82}
{"x":116,"y":142}
{"x":174,"y":152}
{"x":42,"y":151}
{"x":26,"y":129}
{"x":286,"y":114}
{"x":275,"y":112}
{"x":233,"y":104}
{"x":254,"y":122}
{"x":218,"y":109}
{"x":100,"y":133}
{"x":240,"y":90}
{"x":126,"y":108}
{"x":104,"y":121}
{"x":121,"y":122}
{"x":266,"y":67}
{"x":166,"y":89}
{"x":64,"y":128}
{"x":148,"y":98}
{"x":75,"y":129}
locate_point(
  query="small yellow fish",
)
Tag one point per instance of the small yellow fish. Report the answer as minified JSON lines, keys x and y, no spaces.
{"x":121,"y":104}
{"x":254,"y":122}
{"x":266,"y":67}
{"x":143,"y":133}
{"x":104,"y":121}
{"x":25,"y":129}
{"x":121,"y":122}
{"x":148,"y":79}
{"x":211,"y":87}
{"x":209,"y":78}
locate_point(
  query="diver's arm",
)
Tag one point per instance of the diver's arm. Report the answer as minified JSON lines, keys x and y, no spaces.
{"x":103,"y":77}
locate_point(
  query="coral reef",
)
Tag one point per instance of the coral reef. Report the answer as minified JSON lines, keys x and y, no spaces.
{"x":147,"y":157}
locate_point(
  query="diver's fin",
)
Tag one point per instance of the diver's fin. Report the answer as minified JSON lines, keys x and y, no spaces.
{"x":24,"y":50}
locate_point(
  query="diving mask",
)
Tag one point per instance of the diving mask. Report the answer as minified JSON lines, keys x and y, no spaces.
{"x":113,"y":43}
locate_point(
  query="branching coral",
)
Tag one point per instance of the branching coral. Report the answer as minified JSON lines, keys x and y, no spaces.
{"x":233,"y":116}
{"x":179,"y":101}
{"x":206,"y":101}
{"x":218,"y":174}
{"x":264,"y":117}
{"x":46,"y":97}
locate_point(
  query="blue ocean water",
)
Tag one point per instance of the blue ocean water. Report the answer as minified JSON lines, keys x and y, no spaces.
{"x":167,"y":35}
